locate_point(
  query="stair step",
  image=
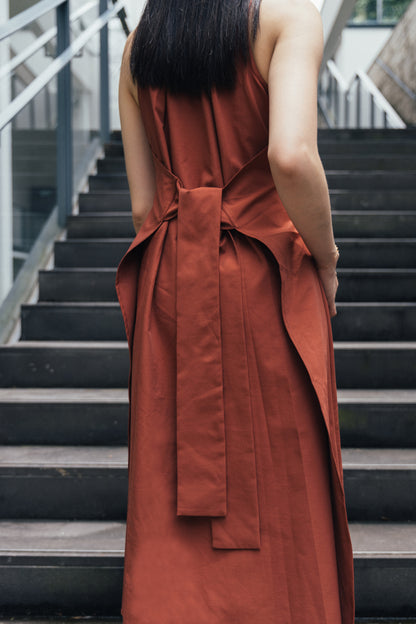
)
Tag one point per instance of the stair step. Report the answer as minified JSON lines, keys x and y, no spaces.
{"x":336,"y":179}
{"x":346,"y":134}
{"x":355,"y":134}
{"x":64,"y":416}
{"x":377,"y":418}
{"x":88,"y":416}
{"x":50,"y":567}
{"x":355,"y":285}
{"x":384,"y":568}
{"x":374,"y":365}
{"x":346,"y":223}
{"x":108,"y":201}
{"x":360,"y":285}
{"x":380,"y":484}
{"x":373,"y":199}
{"x":341,"y":199}
{"x":375,"y":321}
{"x":111,"y":225}
{"x":326,"y":147}
{"x":87,"y":364}
{"x":355,"y":252}
{"x":90,"y":482}
{"x":104,"y":321}
{"x":79,"y":284}
{"x":46,"y":565}
{"x":63,"y":482}
{"x":360,"y":162}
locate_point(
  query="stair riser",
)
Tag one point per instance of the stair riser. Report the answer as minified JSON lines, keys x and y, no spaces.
{"x":101,"y":367}
{"x":376,"y":287}
{"x":101,"y":493}
{"x":345,"y":225}
{"x":354,"y":253}
{"x":73,"y":588}
{"x":106,"y":202}
{"x":77,"y":286}
{"x":339,"y":135}
{"x":377,"y":425}
{"x":63,"y":493}
{"x":64,"y":424}
{"x":385,"y":494}
{"x":397,"y":200}
{"x":327,"y":148}
{"x":89,"y":285}
{"x":383,"y":587}
{"x":349,"y":180}
{"x":365,"y":425}
{"x":379,"y":323}
{"x":377,"y":162}
{"x":373,"y":200}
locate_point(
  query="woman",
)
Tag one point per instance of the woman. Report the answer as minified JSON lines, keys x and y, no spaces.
{"x":236,"y":507}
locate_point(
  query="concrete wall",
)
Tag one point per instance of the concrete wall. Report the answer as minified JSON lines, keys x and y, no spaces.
{"x":394,"y":69}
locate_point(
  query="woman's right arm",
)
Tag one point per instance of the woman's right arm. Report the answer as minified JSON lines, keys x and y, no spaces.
{"x":296,"y":40}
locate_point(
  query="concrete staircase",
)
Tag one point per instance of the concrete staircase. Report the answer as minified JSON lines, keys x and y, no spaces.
{"x":63,"y":396}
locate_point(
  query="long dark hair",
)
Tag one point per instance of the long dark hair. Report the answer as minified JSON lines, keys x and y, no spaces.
{"x":191,"y":46}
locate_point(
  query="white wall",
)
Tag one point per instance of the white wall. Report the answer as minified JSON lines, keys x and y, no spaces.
{"x":358,"y":49}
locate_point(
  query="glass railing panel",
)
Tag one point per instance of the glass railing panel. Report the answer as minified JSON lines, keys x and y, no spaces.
{"x":33,"y":170}
{"x":85,"y":75}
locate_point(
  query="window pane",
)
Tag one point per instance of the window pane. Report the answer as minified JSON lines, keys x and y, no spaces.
{"x":364,"y":11}
{"x":394,"y":9}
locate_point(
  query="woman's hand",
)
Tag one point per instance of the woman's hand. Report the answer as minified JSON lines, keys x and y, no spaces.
{"x":329,"y":279}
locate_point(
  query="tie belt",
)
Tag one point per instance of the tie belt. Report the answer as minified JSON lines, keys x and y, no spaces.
{"x":216,"y":477}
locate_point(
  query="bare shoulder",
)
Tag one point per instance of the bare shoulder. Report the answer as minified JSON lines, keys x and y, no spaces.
{"x":282,"y":20}
{"x":284,"y":11}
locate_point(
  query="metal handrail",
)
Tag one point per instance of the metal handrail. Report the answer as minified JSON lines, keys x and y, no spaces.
{"x":41,"y":41}
{"x":23,"y":19}
{"x":379,"y":98}
{"x":55,"y":67}
{"x":340,"y":95}
{"x":60,"y":67}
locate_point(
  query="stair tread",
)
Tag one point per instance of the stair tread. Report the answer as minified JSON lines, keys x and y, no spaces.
{"x":375,"y":345}
{"x":107,"y":538}
{"x":121,"y":344}
{"x":67,"y":344}
{"x":114,"y":304}
{"x":376,"y":396}
{"x":116,"y":456}
{"x":379,"y":458}
{"x":72,"y":537}
{"x":120,"y":395}
{"x":63,"y":395}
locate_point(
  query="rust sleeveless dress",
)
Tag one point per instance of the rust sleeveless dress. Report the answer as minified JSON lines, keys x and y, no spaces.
{"x":236,"y":505}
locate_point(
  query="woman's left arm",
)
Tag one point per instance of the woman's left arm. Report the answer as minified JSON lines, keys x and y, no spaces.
{"x":137,"y":152}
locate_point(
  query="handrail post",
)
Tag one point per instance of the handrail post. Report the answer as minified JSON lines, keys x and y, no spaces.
{"x":104,"y":79}
{"x":64,"y":127}
{"x":6,"y":187}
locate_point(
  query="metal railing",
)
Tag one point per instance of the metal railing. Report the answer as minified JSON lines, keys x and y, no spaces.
{"x":359,"y":104}
{"x":58,"y":74}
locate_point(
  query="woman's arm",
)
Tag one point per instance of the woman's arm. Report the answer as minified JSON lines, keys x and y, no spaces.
{"x":296,"y":44}
{"x":137,"y":152}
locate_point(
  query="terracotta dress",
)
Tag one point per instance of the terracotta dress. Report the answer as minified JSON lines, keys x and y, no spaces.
{"x":236,"y":506}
